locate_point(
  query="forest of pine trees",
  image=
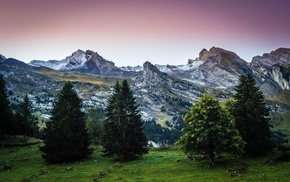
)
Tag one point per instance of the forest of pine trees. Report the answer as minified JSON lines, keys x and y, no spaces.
{"x":19,"y":123}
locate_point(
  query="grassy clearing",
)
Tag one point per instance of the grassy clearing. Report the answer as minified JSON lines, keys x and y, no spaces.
{"x":281,"y":122}
{"x":26,"y":164}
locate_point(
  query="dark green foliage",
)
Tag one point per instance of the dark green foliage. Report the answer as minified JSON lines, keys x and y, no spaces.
{"x":177,"y":122}
{"x":156,"y":133}
{"x":25,"y":118}
{"x":123,"y":128}
{"x":210,"y":130}
{"x":66,"y":138}
{"x":95,"y":125}
{"x":281,"y":145}
{"x":252,"y":117}
{"x":6,"y":115}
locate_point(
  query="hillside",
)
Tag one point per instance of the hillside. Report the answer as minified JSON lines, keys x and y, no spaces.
{"x":25,"y":164}
{"x":164,"y":92}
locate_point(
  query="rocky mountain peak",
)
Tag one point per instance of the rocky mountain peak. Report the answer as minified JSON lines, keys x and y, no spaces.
{"x":149,"y":67}
{"x":76,"y":59}
{"x":273,"y":66}
{"x":213,"y":52}
{"x":222,"y":58}
{"x":78,"y":52}
{"x":2,"y":57}
{"x":89,"y":54}
{"x":279,"y":57}
{"x":150,"y":72}
{"x":218,"y":53}
{"x":219,"y":68}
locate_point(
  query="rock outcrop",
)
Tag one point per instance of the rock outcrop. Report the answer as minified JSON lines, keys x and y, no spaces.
{"x":273,"y":67}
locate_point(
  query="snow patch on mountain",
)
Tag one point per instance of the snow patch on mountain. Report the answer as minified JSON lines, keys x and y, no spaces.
{"x":132,"y":68}
{"x":76,"y":60}
{"x":53,"y":64}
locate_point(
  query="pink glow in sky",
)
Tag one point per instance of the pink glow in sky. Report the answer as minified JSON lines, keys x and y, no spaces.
{"x":130,"y":32}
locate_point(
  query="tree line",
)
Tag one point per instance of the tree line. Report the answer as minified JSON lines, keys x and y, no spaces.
{"x":19,"y":123}
{"x":241,"y":126}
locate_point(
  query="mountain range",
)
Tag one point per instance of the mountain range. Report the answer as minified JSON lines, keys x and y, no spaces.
{"x":164,"y":92}
{"x":215,"y":68}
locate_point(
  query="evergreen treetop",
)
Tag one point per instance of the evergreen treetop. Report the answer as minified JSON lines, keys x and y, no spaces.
{"x":6,"y":114}
{"x":66,"y":138}
{"x":123,"y":128}
{"x":25,"y":118}
{"x":252,"y":116}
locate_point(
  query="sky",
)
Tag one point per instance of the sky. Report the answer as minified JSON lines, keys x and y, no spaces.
{"x":130,"y":32}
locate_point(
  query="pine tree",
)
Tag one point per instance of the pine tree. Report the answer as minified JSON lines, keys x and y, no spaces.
{"x":210,"y":130}
{"x":252,"y":117}
{"x":124,"y":136}
{"x":25,"y":116}
{"x":66,"y":138}
{"x":6,"y":114}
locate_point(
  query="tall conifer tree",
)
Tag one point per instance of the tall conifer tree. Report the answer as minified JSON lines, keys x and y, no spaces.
{"x":66,"y":138}
{"x":124,"y":135}
{"x":6,"y":114}
{"x":27,"y":125}
{"x":252,"y":116}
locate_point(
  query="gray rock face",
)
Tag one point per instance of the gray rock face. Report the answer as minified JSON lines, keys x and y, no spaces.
{"x":221,"y":68}
{"x":278,"y":57}
{"x":273,"y":67}
{"x":217,"y":68}
{"x":155,"y":89}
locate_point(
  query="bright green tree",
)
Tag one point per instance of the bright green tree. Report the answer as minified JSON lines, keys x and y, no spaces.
{"x":6,"y":114}
{"x":210,"y":130}
{"x":252,"y":117}
{"x":123,"y":129}
{"x":66,"y":138}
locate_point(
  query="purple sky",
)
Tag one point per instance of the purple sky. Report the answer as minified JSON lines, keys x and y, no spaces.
{"x":130,"y":32}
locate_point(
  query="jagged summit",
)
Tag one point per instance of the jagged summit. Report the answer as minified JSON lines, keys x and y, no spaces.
{"x":273,"y":69}
{"x":149,"y":66}
{"x":81,"y":61}
{"x":219,"y":53}
{"x":280,"y":56}
{"x":216,"y":68}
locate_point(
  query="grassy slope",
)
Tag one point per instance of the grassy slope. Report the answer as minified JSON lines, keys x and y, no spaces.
{"x":281,"y":121}
{"x":162,"y":119}
{"x":158,"y":165}
{"x":103,"y":82}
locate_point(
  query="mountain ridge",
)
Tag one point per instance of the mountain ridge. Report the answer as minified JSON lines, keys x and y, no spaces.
{"x":164,"y":92}
{"x":216,"y":68}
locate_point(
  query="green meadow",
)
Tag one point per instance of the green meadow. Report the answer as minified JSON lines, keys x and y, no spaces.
{"x":24,"y":163}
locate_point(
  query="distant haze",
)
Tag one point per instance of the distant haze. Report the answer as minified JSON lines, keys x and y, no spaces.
{"x":130,"y":32}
